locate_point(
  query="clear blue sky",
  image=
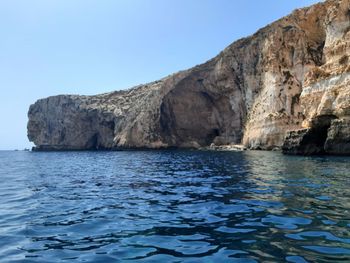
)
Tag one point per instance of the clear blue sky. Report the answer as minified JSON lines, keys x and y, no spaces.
{"x":51,"y":47}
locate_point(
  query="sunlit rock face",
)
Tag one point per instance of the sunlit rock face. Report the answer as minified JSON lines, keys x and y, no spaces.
{"x":325,"y":97}
{"x":288,"y":76}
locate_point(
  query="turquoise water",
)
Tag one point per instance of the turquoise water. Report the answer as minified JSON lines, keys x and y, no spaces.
{"x":173,"y":206}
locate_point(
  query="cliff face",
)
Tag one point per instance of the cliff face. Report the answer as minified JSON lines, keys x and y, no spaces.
{"x":325,"y":97}
{"x":293,"y":74}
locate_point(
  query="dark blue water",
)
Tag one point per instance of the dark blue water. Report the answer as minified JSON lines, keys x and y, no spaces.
{"x":173,"y":206}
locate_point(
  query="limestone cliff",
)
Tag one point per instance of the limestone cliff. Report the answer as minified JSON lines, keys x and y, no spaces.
{"x":325,"y":97}
{"x":287,"y":76}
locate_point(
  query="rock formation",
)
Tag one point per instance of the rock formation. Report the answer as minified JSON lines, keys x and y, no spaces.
{"x":290,"y":78}
{"x":325,"y":97}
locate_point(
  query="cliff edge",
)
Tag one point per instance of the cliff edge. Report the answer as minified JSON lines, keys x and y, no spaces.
{"x":285,"y":86}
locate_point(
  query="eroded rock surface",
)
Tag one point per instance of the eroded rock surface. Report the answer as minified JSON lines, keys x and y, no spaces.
{"x":285,"y":77}
{"x":325,"y":98}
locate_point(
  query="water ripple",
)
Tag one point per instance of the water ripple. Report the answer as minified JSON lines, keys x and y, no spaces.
{"x":173,"y":206}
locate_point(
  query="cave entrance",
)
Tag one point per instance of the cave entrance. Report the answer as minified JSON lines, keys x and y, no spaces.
{"x":190,"y":115}
{"x":317,"y":136}
{"x":93,"y":142}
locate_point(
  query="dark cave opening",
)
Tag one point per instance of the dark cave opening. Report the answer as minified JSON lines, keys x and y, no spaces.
{"x":315,"y":140}
{"x":93,"y":142}
{"x":212,"y":135}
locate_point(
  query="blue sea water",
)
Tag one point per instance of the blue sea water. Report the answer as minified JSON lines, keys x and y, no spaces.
{"x":173,"y":206}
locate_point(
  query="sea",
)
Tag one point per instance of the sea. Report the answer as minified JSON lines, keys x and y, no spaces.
{"x":173,"y":206}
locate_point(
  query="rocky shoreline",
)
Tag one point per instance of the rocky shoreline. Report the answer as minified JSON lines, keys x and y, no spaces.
{"x":285,"y":87}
